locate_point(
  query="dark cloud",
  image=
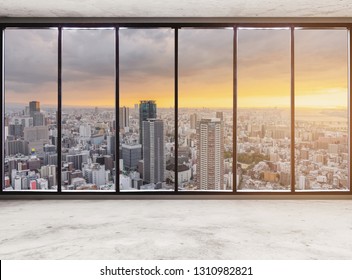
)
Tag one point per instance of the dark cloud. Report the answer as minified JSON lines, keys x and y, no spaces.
{"x":88,"y":54}
{"x":146,"y":54}
{"x":30,"y":59}
{"x":206,"y":54}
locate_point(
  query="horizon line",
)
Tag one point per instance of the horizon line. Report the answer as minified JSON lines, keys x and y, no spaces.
{"x":194,"y":107}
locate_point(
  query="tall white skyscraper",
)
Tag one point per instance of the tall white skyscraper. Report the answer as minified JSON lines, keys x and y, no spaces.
{"x":210,"y":160}
{"x":85,"y":131}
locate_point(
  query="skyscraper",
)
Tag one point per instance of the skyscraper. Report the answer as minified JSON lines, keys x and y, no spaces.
{"x":16,"y":147}
{"x":77,"y":160}
{"x":147,"y":110}
{"x":210,"y":160}
{"x":153,"y":151}
{"x":85,"y":131}
{"x":16,"y":130}
{"x":124,"y":114}
{"x":220,"y":115}
{"x":111,"y":144}
{"x":38,"y":119}
{"x":34,"y":106}
{"x":193,"y":119}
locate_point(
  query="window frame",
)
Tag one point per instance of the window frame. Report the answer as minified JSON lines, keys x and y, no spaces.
{"x":176,"y":24}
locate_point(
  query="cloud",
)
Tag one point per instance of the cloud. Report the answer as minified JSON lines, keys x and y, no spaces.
{"x":321,"y":57}
{"x":147,"y":61}
{"x":206,"y":54}
{"x":30,"y":59}
{"x":264,"y":54}
{"x":146,"y":54}
{"x":88,"y":54}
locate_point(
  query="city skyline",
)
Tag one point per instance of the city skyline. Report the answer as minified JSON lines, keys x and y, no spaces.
{"x":112,"y":106}
{"x":320,"y":160}
{"x":145,"y":125}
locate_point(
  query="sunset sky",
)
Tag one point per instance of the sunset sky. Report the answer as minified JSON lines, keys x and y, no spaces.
{"x":205,"y":67}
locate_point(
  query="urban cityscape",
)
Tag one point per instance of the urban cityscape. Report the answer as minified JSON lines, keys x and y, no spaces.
{"x":136,"y":148}
{"x":147,"y":149}
{"x":30,"y":148}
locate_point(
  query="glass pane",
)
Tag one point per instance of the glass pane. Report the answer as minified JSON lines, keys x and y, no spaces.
{"x":263,"y":115}
{"x":30,"y":109}
{"x":205,"y":118}
{"x":321,"y":113}
{"x":88,"y":110}
{"x":146,"y":123}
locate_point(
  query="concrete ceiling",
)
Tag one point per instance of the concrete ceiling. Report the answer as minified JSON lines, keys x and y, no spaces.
{"x":175,"y":8}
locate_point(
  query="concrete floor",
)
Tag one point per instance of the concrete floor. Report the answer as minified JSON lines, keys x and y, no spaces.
{"x":176,"y":229}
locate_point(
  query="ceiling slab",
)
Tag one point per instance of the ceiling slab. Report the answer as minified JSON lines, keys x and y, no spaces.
{"x":172,"y":8}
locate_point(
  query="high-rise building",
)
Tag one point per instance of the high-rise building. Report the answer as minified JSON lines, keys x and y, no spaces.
{"x":111,"y":144}
{"x":16,"y":130}
{"x":210,"y":159}
{"x":77,"y":160}
{"x":26,"y":111}
{"x":193,"y":119}
{"x":131,"y":155}
{"x":50,"y":159}
{"x":94,"y":174}
{"x":85,"y":131}
{"x":34,"y":106}
{"x":147,"y":110}
{"x":153,"y":151}
{"x":220,"y":115}
{"x":49,"y":172}
{"x":38,"y":119}
{"x":108,"y":162}
{"x":124,"y":114}
{"x":16,"y":147}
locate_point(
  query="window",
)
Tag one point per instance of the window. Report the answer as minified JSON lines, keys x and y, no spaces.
{"x":263,"y":115}
{"x":175,"y":108}
{"x":146,"y":113}
{"x":321,"y":111}
{"x":205,"y":116}
{"x":88,"y":112}
{"x":30,"y":158}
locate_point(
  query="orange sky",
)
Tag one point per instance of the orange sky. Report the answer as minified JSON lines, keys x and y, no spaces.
{"x":205,"y":72}
{"x":263,"y":73}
